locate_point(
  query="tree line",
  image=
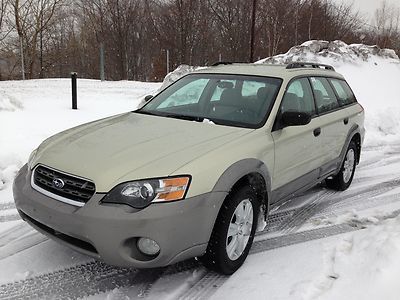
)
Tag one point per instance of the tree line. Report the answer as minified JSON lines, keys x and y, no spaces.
{"x":134,"y":39}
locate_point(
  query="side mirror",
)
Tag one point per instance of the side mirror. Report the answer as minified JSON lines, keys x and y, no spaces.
{"x":148,"y":98}
{"x":294,"y":118}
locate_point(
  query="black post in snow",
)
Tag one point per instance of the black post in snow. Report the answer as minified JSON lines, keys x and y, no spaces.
{"x":74,"y":77}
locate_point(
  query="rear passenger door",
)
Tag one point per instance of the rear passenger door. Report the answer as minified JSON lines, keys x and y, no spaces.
{"x":331,"y":119}
{"x":297,"y":148}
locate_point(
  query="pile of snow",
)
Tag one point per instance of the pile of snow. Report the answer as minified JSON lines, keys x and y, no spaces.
{"x":334,"y":52}
{"x":8,"y":103}
{"x":176,"y":74}
{"x":362,"y":266}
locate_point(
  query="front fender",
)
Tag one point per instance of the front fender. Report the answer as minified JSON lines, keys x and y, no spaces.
{"x":239,"y":170}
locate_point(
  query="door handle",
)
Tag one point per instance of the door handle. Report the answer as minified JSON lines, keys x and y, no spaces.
{"x":346,"y":121}
{"x":317,"y":132}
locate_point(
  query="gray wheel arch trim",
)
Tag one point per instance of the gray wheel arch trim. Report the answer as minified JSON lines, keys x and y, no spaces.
{"x":352,"y":132}
{"x":239,"y":170}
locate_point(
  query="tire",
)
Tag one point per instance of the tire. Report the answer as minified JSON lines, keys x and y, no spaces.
{"x":343,"y":179}
{"x":231,"y":238}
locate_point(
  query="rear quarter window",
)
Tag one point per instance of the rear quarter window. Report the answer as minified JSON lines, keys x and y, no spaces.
{"x":343,"y":91}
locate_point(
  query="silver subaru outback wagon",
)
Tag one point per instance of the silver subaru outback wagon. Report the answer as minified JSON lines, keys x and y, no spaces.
{"x":194,"y":171}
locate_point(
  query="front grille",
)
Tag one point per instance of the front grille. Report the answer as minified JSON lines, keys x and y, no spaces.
{"x":74,"y":188}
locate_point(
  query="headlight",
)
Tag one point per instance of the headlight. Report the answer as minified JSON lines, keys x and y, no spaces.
{"x":142,"y":193}
{"x":31,"y":158}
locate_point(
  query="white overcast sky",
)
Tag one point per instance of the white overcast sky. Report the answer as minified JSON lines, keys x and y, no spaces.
{"x":368,"y":7}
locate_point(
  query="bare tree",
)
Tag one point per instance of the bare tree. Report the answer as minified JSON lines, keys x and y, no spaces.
{"x":135,"y":35}
{"x":387,"y":25}
{"x":32,"y":18}
{"x":3,"y":12}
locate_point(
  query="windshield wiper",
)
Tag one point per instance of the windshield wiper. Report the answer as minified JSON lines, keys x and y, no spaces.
{"x":184,"y":117}
{"x":139,"y":111}
{"x":178,"y":116}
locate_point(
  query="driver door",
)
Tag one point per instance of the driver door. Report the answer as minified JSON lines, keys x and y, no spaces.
{"x":297,"y":148}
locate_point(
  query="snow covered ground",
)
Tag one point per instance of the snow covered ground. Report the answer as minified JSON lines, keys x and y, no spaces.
{"x":321,"y":245}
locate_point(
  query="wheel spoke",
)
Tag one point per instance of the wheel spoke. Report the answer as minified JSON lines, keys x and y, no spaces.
{"x":232,"y":247}
{"x":240,"y":212}
{"x":242,"y":242}
{"x":247,"y":229}
{"x":248,"y":210}
{"x":233,"y":229}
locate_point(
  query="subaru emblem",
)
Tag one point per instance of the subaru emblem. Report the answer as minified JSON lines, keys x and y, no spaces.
{"x":58,"y":183}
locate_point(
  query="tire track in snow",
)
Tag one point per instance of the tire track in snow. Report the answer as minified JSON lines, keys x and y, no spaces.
{"x":9,"y":218}
{"x":211,"y":281}
{"x":89,"y":279}
{"x":13,"y":233}
{"x":19,"y":238}
{"x":72,"y":283}
{"x":6,"y":206}
{"x":302,"y":214}
{"x":358,"y":198}
{"x":96,"y":277}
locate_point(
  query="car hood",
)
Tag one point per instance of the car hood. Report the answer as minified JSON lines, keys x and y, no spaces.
{"x":132,"y":146}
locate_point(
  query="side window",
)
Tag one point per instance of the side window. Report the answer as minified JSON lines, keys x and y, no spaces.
{"x":343,"y":91}
{"x":324,"y":95}
{"x":189,"y":94}
{"x":298,"y":97}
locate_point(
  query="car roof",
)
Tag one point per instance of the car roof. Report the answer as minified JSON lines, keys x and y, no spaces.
{"x":286,"y":72}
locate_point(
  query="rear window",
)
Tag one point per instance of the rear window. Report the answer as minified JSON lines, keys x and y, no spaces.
{"x":343,"y":91}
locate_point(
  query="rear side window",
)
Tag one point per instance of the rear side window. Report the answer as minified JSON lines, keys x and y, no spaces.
{"x":325,"y":97}
{"x":343,"y":91}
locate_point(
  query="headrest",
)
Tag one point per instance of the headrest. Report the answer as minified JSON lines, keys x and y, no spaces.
{"x":291,"y":102}
{"x":231,"y":97}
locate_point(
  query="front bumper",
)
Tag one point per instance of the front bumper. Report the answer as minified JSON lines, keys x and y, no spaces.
{"x":109,"y":232}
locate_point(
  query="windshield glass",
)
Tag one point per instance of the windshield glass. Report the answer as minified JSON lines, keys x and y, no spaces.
{"x":234,"y":100}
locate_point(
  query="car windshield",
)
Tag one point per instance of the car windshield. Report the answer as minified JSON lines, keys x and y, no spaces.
{"x":225,"y":99}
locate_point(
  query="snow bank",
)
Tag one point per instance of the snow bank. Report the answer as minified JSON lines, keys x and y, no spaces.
{"x":334,"y":52}
{"x":362,"y":266}
{"x":9,"y":103}
{"x":177,"y":73}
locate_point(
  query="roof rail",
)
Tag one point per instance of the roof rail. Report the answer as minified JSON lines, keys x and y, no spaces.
{"x":296,"y":65}
{"x":218,"y":63}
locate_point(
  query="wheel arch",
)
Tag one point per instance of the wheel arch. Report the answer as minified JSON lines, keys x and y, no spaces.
{"x":251,"y":172}
{"x":357,"y":140}
{"x":354,"y":135}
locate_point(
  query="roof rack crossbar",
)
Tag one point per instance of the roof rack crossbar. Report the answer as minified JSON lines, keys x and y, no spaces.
{"x":296,"y":65}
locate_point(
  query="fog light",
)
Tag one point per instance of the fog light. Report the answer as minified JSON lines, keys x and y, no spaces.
{"x":148,"y":246}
